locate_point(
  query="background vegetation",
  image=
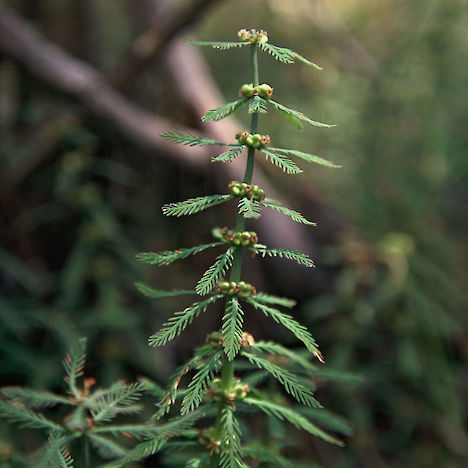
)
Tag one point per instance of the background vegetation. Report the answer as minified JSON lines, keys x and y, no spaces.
{"x":83,"y":176}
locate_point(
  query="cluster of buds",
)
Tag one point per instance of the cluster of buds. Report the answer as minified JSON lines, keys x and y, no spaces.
{"x":241,"y":189}
{"x":210,"y":439}
{"x":231,"y":288}
{"x":215,"y":340}
{"x":253,"y":35}
{"x":218,"y":392}
{"x":255,"y":141}
{"x":244,"y":239}
{"x":264,"y":90}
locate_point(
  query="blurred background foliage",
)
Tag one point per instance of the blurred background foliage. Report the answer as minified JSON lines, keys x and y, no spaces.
{"x":78,"y":200}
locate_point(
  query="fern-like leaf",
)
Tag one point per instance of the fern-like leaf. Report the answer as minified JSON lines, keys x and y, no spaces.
{"x":65,"y":459}
{"x":224,"y":110}
{"x":289,"y":381}
{"x":296,"y":117}
{"x":300,"y":331}
{"x":192,"y":140}
{"x":157,"y":293}
{"x":169,"y":256}
{"x":113,"y":401}
{"x":179,"y":322}
{"x":305,"y":156}
{"x":231,"y":454}
{"x":275,"y":348}
{"x":107,"y":448}
{"x":18,"y":413}
{"x":269,"y":299}
{"x":249,"y":208}
{"x":281,"y":161}
{"x":294,"y":418}
{"x":33,"y":398}
{"x":232,"y":328}
{"x":198,"y":385}
{"x":215,"y":272}
{"x":229,"y":155}
{"x":290,"y":254}
{"x":194,"y":205}
{"x":286,"y":55}
{"x":294,"y":215}
{"x":74,"y":363}
{"x":257,"y":106}
{"x":218,"y":45}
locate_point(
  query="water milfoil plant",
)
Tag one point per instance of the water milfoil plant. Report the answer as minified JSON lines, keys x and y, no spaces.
{"x":226,"y":374}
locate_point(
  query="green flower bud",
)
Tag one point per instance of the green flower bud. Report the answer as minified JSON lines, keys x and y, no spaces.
{"x":265,"y":91}
{"x":249,"y":140}
{"x":247,"y":90}
{"x":233,"y":288}
{"x":223,"y":287}
{"x":215,"y":339}
{"x":240,"y":391}
{"x":243,"y":137}
{"x":256,"y":140}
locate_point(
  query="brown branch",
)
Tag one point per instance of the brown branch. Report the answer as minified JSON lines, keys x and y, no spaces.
{"x":149,"y":44}
{"x":73,"y":77}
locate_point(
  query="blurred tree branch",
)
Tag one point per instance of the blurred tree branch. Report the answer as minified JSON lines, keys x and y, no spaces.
{"x":154,"y":38}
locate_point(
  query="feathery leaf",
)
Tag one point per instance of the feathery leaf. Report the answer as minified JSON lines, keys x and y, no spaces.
{"x":275,"y":348}
{"x":281,"y":161}
{"x":169,"y":256}
{"x":286,"y":55}
{"x":294,"y":418}
{"x":106,"y":448}
{"x":269,"y":299}
{"x":179,"y":321}
{"x":224,"y":110}
{"x":215,"y":272}
{"x":229,"y":155}
{"x":113,"y":401}
{"x":218,"y":45}
{"x":290,"y":254}
{"x":197,"y":387}
{"x":296,"y":117}
{"x":194,"y":205}
{"x":300,"y":331}
{"x":192,"y":140}
{"x":290,"y":382}
{"x":294,"y":215}
{"x":231,"y":454}
{"x":157,"y":293}
{"x":232,"y":328}
{"x":18,"y":413}
{"x":33,"y":398}
{"x":305,"y":156}
{"x":64,"y":458}
{"x":249,"y":208}
{"x":257,"y":106}
{"x":74,"y":362}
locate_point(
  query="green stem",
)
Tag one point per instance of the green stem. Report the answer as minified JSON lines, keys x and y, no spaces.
{"x":85,"y":451}
{"x":227,"y":372}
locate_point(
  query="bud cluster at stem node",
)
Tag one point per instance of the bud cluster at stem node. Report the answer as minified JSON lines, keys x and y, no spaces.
{"x":254,"y":140}
{"x":241,"y":189}
{"x":242,"y":289}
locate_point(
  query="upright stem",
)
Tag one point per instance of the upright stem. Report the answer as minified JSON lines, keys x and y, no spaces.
{"x":85,"y":452}
{"x":227,"y":372}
